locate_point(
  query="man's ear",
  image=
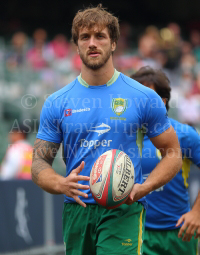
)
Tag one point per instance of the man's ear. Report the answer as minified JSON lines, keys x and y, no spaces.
{"x":78,"y":51}
{"x":164,"y":100}
{"x":113,"y":46}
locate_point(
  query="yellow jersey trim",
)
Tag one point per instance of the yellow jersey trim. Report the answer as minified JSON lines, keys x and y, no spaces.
{"x":140,"y":241}
{"x":186,"y":170}
{"x":110,"y":82}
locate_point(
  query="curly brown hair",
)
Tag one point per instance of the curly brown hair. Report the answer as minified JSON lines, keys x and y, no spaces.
{"x":92,"y":16}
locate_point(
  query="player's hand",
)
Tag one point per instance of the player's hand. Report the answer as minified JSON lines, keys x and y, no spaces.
{"x":137,"y":193}
{"x":70,"y":186}
{"x":191,"y":224}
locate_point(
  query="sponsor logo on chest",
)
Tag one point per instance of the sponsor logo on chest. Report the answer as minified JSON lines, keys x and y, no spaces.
{"x":100,"y":129}
{"x":68,"y":112}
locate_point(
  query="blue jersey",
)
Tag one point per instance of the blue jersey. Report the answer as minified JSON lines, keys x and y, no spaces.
{"x":168,"y":203}
{"x":89,"y":120}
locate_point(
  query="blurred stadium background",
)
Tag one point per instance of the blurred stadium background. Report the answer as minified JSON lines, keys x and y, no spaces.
{"x":37,"y":58}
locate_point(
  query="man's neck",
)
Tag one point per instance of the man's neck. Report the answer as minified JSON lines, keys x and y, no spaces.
{"x":98,"y":77}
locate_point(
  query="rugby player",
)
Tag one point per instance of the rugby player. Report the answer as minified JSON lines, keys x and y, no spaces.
{"x":101,"y":109}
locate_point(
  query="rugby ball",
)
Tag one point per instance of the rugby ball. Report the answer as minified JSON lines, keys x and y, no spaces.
{"x":112,"y":178}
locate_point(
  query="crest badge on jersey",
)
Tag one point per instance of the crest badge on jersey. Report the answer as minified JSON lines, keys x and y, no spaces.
{"x":119,"y":105}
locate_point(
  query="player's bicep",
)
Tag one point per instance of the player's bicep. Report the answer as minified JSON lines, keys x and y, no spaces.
{"x":45,"y":150}
{"x":167,"y":142}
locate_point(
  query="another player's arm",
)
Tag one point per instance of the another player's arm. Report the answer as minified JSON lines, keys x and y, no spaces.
{"x":45,"y":177}
{"x":171,"y":163}
{"x":191,"y":222}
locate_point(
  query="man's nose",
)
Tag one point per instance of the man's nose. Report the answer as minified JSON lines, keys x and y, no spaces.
{"x":92,"y":42}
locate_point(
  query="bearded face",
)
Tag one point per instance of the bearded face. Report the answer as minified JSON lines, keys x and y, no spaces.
{"x":95,"y":59}
{"x":95,"y":47}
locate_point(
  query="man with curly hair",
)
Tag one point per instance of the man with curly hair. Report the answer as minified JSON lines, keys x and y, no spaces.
{"x":101,"y":109}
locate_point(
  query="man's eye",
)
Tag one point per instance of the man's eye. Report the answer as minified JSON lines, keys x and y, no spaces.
{"x":84,"y":37}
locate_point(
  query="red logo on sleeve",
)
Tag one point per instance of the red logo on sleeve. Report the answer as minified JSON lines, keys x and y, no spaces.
{"x":68,"y":112}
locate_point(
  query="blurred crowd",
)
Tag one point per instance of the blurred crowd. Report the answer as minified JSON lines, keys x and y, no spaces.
{"x":37,"y":67}
{"x":180,"y":59}
{"x":43,"y":66}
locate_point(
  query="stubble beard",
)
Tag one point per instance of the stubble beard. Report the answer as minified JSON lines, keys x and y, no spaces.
{"x":96,"y":64}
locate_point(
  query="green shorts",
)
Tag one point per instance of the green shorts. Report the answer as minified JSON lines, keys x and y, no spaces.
{"x":166,"y":242}
{"x":95,"y":230}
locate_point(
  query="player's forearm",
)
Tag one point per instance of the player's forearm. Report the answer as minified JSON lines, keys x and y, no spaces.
{"x":164,"y":171}
{"x":45,"y":177}
{"x":43,"y":174}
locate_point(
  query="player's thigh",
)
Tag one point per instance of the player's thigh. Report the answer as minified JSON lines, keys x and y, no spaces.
{"x":120,"y":231}
{"x":79,"y":229}
{"x":167,"y":243}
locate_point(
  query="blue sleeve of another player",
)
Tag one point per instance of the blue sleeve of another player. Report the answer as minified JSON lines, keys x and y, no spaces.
{"x":49,"y":129}
{"x":192,"y":148}
{"x":156,"y":117}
